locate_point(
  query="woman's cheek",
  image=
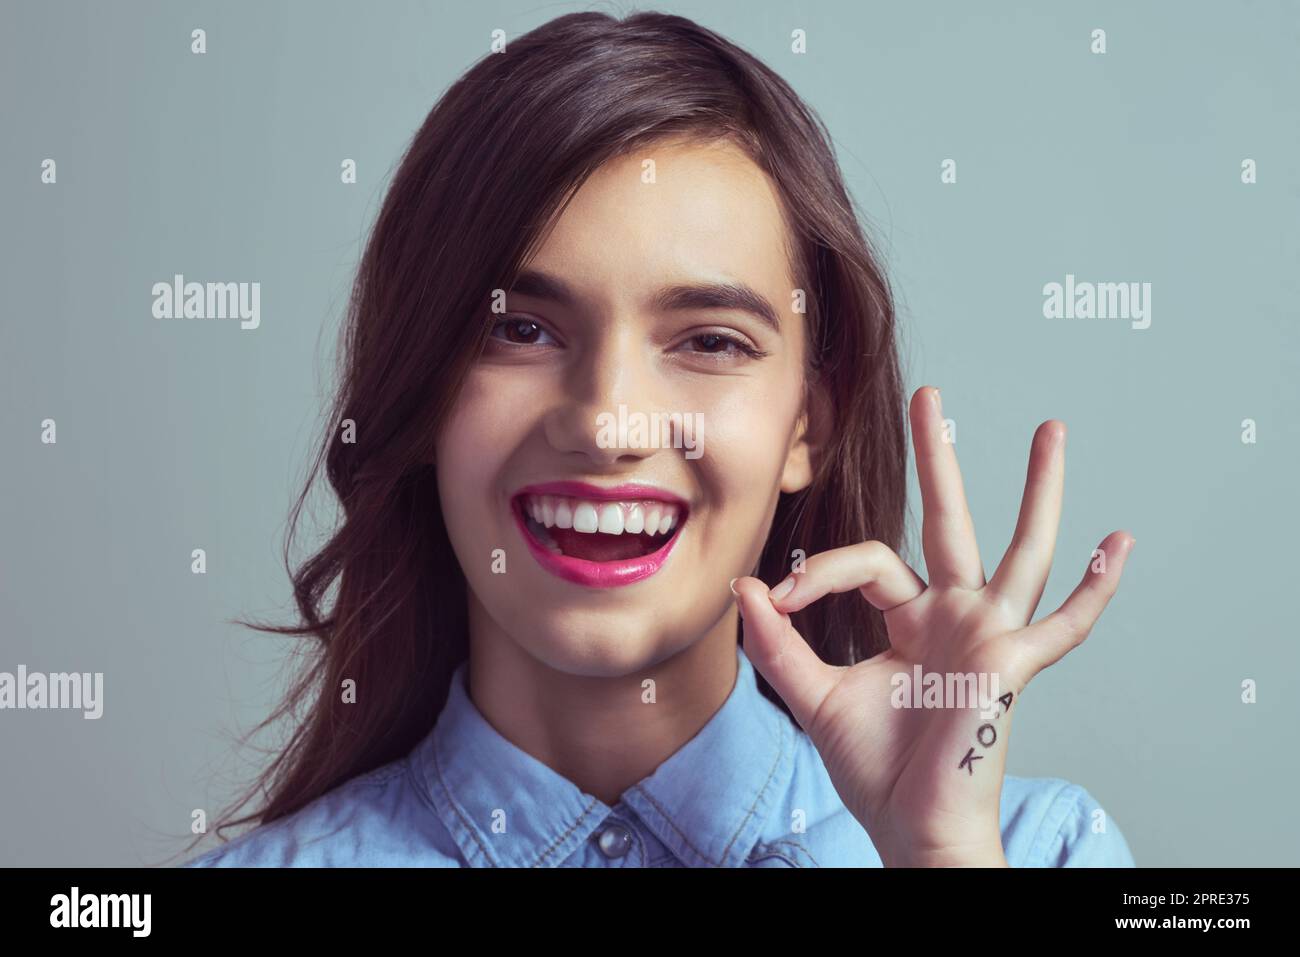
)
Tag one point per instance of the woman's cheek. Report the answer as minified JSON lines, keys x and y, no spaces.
{"x":744,"y":451}
{"x":746,"y":436}
{"x":476,"y":440}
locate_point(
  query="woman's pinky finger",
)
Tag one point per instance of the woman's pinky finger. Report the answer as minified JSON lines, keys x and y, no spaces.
{"x":1050,"y":639}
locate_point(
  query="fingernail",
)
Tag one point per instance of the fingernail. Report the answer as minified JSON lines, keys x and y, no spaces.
{"x":732,"y":585}
{"x":781,"y":590}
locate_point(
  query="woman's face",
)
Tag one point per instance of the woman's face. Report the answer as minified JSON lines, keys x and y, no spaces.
{"x":617,"y":453}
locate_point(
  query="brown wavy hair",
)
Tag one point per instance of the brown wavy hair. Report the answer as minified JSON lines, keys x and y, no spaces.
{"x":493,"y":164}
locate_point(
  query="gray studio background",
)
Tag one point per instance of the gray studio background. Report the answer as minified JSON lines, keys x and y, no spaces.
{"x":225,"y":167}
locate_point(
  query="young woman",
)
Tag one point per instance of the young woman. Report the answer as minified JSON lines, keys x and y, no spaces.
{"x":619,"y":358}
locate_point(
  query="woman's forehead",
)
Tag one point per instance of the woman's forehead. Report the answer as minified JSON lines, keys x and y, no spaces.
{"x":667,"y":212}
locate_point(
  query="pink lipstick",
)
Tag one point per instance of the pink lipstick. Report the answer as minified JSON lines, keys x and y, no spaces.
{"x":599,"y":537}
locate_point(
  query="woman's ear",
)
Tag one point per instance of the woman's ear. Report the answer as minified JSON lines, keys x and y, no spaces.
{"x":811,"y":434}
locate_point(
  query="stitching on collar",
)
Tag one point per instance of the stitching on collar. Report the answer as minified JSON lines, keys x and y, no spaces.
{"x":572,"y":827}
{"x":455,"y":806}
{"x":745,"y":820}
{"x":780,"y":752}
{"x":555,"y":843}
{"x":671,"y":823}
{"x":786,"y":842}
{"x":464,"y":822}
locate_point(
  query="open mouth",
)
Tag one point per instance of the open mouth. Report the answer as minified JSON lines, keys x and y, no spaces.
{"x":598,"y":531}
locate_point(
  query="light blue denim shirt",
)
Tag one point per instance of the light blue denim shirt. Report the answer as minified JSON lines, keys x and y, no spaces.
{"x":749,"y":790}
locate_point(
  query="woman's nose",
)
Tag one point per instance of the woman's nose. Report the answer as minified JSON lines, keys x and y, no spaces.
{"x":604,"y":391}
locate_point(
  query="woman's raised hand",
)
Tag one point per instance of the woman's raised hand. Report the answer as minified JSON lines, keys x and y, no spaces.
{"x":926,"y":782}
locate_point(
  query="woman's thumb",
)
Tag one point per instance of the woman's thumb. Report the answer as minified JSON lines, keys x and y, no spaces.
{"x":779,"y":652}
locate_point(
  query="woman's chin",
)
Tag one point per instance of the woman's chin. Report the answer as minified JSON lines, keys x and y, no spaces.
{"x":598,"y":646}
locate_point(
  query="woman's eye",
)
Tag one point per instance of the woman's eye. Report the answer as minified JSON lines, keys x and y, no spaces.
{"x":523,"y":332}
{"x":718,"y":344}
{"x":712,"y":343}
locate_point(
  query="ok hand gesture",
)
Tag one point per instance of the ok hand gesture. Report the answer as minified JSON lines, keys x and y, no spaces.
{"x":926,"y":782}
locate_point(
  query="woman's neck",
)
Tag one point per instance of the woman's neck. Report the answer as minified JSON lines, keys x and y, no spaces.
{"x":602,"y":729}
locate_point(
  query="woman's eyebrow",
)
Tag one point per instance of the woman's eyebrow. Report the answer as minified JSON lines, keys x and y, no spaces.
{"x":698,"y":295}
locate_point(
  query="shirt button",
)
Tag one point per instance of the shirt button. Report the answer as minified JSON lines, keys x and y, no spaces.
{"x":615,"y":841}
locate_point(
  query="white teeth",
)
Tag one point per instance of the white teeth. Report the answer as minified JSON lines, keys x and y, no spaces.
{"x":545,"y":538}
{"x":584,"y":518}
{"x":563,"y":514}
{"x":635,"y":523}
{"x":609,"y":518}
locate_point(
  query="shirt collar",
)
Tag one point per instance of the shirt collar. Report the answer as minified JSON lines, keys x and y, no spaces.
{"x":707,"y":803}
